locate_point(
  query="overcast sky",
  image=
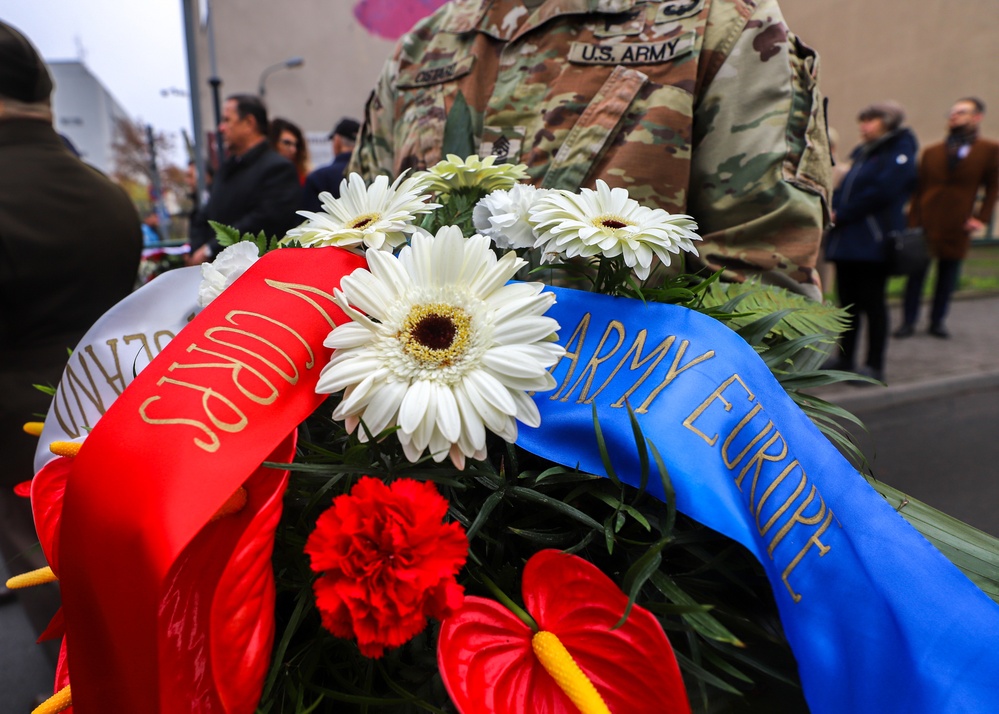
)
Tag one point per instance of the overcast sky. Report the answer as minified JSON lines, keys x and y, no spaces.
{"x":135,"y":47}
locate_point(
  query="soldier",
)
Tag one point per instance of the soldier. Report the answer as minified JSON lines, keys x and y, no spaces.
{"x":707,"y":107}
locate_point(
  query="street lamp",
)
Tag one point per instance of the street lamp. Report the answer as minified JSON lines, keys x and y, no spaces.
{"x":290,"y":63}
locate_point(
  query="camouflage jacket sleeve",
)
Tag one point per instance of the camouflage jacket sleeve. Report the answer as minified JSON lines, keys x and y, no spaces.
{"x":374,"y":151}
{"x":761,"y":168}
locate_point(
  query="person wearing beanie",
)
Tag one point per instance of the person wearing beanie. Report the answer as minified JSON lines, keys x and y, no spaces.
{"x":327,"y":178}
{"x":947,"y":207}
{"x":868,"y":206}
{"x":70,"y":244}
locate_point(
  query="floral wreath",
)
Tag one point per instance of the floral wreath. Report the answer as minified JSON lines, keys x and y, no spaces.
{"x":400,"y":527}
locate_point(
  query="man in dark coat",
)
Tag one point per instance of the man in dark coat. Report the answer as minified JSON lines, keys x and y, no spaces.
{"x":70,"y":243}
{"x":944,"y":204}
{"x":328,"y":178}
{"x":255,"y":190}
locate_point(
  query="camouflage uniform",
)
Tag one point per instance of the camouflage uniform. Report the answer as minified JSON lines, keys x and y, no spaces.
{"x":708,"y":107}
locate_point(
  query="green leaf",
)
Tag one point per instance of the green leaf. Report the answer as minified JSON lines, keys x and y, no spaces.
{"x":602,"y":446}
{"x":702,"y":622}
{"x":490,"y":503}
{"x":691,"y":667}
{"x":277,"y":661}
{"x":667,"y":490}
{"x":226,"y":235}
{"x":526,"y":494}
{"x":974,"y":552}
{"x":639,"y":573}
{"x":803,"y":317}
{"x":643,"y":452}
{"x":725,"y":667}
{"x":544,"y":539}
{"x":755,"y":332}
{"x":620,"y":505}
{"x":458,"y":135}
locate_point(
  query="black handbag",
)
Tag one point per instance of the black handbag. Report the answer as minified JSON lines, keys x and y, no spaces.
{"x":907,"y":252}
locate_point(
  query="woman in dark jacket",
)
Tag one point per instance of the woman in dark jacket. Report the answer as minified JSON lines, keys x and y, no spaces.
{"x":867,"y":207}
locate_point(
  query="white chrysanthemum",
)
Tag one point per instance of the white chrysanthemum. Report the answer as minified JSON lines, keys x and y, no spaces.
{"x":441,"y":346}
{"x":504,"y":216}
{"x":608,"y":222}
{"x":455,"y":173}
{"x":379,"y":216}
{"x":225,"y":269}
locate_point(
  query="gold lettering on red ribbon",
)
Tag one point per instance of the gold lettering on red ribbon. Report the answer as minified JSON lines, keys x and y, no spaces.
{"x":207,"y":396}
{"x":247,"y":355}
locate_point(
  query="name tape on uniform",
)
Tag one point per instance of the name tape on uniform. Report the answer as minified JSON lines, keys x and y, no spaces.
{"x":425,"y":76}
{"x":631,"y":52}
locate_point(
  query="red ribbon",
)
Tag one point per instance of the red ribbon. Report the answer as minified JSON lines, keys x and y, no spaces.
{"x":189,"y":430}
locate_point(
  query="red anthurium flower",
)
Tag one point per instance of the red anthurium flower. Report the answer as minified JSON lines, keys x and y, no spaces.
{"x":387,"y":562}
{"x":491,"y":661}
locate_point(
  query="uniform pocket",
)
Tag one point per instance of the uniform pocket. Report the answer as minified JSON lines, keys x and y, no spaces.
{"x":589,"y":138}
{"x":423,"y":94}
{"x":808,"y":163}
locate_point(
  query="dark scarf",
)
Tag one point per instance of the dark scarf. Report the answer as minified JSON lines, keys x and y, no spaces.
{"x":956,"y":140}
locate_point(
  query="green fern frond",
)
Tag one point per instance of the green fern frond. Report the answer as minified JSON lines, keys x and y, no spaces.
{"x":227,"y":236}
{"x":748,"y":302}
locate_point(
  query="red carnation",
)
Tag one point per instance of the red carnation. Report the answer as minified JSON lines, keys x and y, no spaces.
{"x":387,"y":562}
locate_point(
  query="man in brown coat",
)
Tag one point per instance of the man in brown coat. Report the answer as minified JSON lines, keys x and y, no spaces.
{"x":944,"y":204}
{"x":70,"y":243}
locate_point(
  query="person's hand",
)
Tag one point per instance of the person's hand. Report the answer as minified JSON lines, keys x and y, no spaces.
{"x":973,"y":225}
{"x":201,"y":255}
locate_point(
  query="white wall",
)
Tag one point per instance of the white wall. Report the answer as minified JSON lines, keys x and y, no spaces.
{"x":85,"y":112}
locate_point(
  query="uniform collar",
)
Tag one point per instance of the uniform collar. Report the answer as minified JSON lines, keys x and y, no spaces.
{"x":507,"y":19}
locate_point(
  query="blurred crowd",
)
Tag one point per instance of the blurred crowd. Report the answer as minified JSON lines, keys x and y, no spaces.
{"x":890,"y":196}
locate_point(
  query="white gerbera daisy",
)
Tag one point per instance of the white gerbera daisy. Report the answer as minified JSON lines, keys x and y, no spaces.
{"x":456,"y":173}
{"x":378,"y":216}
{"x":441,"y":346}
{"x":504,"y":216}
{"x":607,"y":222}
{"x":226,"y":268}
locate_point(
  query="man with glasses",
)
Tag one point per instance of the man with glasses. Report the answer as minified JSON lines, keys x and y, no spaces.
{"x":946,"y":206}
{"x":255,"y":188}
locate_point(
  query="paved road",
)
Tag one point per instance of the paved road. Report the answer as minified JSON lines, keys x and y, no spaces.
{"x":943,"y":451}
{"x":934,"y":430}
{"x":25,"y":672}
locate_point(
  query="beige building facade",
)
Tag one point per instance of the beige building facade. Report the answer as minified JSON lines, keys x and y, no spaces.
{"x":921,"y":53}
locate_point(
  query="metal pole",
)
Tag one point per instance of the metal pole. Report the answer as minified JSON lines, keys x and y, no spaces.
{"x":215,"y":83}
{"x":154,"y":173}
{"x":190,"y":27}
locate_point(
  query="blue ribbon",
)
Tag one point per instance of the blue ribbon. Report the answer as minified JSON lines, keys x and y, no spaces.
{"x":879,"y":620}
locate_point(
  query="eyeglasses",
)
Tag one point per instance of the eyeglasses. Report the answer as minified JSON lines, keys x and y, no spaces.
{"x":961,"y":111}
{"x":289,"y":142}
